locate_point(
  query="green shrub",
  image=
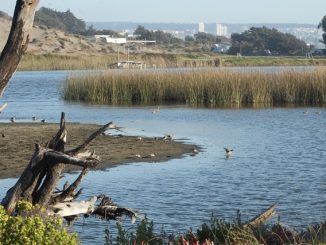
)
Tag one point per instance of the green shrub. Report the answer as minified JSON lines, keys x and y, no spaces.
{"x":31,"y":225}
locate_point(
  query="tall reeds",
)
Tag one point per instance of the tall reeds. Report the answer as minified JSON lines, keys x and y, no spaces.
{"x":62,"y":62}
{"x":212,"y":87}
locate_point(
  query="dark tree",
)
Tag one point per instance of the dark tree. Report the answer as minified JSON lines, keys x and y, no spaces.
{"x":264,"y":41}
{"x":322,"y":25}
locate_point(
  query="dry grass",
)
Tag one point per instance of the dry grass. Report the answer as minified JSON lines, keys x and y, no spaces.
{"x":199,"y":88}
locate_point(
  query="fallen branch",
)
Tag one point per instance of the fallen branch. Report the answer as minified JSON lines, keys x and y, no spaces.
{"x":106,"y":209}
{"x":261,"y":218}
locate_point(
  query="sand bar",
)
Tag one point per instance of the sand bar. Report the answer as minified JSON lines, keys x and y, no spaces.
{"x":17,"y":144}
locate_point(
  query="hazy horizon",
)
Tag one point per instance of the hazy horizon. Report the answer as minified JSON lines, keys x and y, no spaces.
{"x":189,"y":11}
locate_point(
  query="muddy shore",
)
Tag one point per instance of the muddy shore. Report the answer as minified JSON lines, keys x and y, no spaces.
{"x":17,"y":143}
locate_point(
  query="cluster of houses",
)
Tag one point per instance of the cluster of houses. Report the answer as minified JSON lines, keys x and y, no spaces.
{"x":119,"y":40}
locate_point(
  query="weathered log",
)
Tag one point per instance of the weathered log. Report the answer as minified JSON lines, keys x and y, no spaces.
{"x":18,"y":39}
{"x":106,"y":209}
{"x":262,"y":218}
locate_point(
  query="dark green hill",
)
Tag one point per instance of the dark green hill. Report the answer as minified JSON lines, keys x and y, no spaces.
{"x":65,"y":21}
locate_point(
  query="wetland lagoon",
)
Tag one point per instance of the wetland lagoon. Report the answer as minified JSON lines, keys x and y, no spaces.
{"x":279,"y":157}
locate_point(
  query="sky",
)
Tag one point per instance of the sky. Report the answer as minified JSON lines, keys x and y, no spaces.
{"x":189,"y":11}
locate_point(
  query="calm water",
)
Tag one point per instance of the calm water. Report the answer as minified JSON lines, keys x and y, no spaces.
{"x":279,"y":157}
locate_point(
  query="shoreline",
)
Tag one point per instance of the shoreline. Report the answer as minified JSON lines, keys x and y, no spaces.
{"x":19,"y":139}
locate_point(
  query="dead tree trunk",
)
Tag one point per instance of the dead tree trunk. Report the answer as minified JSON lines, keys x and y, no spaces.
{"x":38,"y":182}
{"x":17,"y":41}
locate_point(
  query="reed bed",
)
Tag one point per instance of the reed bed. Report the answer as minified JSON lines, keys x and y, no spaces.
{"x":65,"y":62}
{"x":199,"y":87}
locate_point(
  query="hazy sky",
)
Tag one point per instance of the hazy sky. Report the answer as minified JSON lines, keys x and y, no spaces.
{"x":189,"y":11}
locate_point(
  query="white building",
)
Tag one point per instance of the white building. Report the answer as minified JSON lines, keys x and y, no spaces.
{"x":201,"y":27}
{"x":109,"y":39}
{"x":221,"y":30}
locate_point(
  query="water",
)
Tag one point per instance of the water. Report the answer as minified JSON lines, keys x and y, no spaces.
{"x":279,"y":157}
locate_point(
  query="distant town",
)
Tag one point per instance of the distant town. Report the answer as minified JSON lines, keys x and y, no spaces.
{"x":306,"y":32}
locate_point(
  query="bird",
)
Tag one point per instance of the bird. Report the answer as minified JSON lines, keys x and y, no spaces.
{"x":156,"y":110}
{"x":317,"y":112}
{"x":115,"y":127}
{"x":169,"y":137}
{"x":33,"y":118}
{"x":228,"y":152}
{"x":43,"y":121}
{"x":13,"y":119}
{"x":194,"y":152}
{"x":151,"y":155}
{"x":3,"y":135}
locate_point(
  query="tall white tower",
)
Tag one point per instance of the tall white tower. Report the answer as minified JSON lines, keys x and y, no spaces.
{"x":201,"y":27}
{"x":221,"y":30}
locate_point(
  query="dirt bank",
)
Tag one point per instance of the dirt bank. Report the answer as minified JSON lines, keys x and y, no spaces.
{"x":17,"y":142}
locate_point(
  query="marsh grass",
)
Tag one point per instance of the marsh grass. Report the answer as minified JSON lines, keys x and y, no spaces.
{"x":79,"y":61}
{"x":229,"y":60}
{"x":199,"y":88}
{"x":65,"y":62}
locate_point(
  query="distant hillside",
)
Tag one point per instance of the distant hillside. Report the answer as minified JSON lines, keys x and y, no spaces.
{"x":5,"y":23}
{"x":4,"y":15}
{"x":65,"y":21}
{"x":44,"y":40}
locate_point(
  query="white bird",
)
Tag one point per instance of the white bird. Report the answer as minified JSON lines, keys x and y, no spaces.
{"x":194,"y":151}
{"x":151,"y":155}
{"x":168,"y":137}
{"x":156,"y":110}
{"x":228,"y":152}
{"x":13,"y":119}
{"x":115,"y":127}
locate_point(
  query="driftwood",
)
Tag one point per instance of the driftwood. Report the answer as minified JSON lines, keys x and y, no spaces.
{"x":38,"y":182}
{"x":262,"y":218}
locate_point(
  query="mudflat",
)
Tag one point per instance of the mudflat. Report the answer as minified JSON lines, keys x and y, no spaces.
{"x":17,"y":144}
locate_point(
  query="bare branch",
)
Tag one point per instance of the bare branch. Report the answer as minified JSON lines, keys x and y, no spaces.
{"x":69,"y":191}
{"x":89,"y":140}
{"x":59,"y":157}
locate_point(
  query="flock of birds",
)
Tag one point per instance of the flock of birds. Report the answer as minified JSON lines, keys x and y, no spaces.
{"x":13,"y":119}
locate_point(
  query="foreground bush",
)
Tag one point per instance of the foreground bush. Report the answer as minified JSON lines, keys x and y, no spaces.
{"x":32,"y":226}
{"x":218,"y":231}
